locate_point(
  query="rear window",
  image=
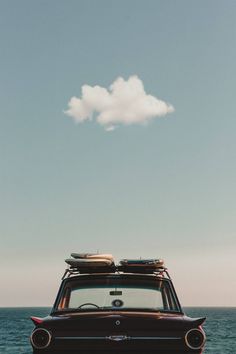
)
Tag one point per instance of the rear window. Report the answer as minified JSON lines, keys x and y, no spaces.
{"x":117,"y":293}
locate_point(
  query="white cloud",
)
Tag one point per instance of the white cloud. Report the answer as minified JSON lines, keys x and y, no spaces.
{"x":125,"y":102}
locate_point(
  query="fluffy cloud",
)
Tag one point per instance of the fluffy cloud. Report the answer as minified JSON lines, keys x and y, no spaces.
{"x":125,"y":102}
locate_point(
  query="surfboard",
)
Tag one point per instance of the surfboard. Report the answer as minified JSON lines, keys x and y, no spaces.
{"x":92,"y":256}
{"x":89,"y":263}
{"x":146,"y":263}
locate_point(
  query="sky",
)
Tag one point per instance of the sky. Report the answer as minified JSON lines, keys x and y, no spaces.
{"x":164,"y":188}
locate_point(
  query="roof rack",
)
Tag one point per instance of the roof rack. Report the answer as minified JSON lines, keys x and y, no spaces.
{"x":87,"y":263}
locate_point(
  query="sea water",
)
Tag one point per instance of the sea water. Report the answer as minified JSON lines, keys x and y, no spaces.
{"x":220,"y":327}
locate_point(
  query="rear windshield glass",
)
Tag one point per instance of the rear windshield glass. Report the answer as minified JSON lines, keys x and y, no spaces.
{"x":118,"y":294}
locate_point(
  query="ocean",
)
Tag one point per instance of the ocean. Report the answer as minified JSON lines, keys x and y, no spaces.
{"x":220,"y":327}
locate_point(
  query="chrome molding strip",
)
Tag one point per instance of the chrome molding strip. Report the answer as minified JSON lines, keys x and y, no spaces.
{"x":81,"y":338}
{"x":158,"y":338}
{"x":119,"y":337}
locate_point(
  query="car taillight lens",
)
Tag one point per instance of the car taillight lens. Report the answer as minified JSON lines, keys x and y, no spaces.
{"x":195,"y":338}
{"x":40,"y":338}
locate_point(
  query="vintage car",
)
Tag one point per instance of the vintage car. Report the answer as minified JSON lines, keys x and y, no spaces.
{"x":131,"y":307}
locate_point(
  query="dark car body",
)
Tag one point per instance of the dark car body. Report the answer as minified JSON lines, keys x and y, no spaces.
{"x":135,"y":312}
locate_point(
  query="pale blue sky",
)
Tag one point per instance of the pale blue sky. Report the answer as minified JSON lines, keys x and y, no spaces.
{"x":166,"y":189}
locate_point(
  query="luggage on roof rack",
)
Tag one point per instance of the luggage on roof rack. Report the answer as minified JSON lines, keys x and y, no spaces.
{"x":87,"y":263}
{"x":90,"y":263}
{"x":141,"y":265}
{"x":91,"y":256}
{"x":158,"y":263}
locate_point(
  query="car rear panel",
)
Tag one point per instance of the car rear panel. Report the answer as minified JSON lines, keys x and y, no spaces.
{"x":118,"y":333}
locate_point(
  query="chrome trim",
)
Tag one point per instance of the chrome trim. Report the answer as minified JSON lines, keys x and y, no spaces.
{"x":187,"y":342}
{"x":119,"y":338}
{"x":158,"y":338}
{"x":85,"y":338}
{"x":49,"y":338}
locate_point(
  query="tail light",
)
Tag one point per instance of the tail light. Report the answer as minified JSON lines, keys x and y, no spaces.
{"x":195,"y":338}
{"x":40,"y":338}
{"x":36,"y":320}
